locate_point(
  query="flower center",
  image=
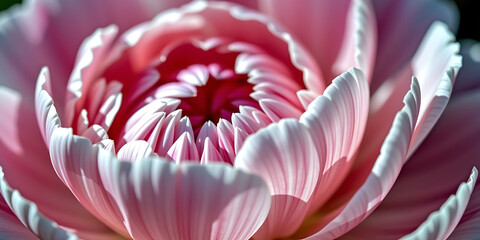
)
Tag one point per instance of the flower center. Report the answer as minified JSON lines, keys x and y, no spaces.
{"x":218,"y":94}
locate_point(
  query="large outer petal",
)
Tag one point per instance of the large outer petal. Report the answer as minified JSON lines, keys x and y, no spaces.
{"x":10,"y":226}
{"x":159,"y":199}
{"x":450,"y":150}
{"x":27,"y":168}
{"x":336,"y":122}
{"x":440,"y":224}
{"x":436,"y":64}
{"x":401,"y":27}
{"x":340,"y":34}
{"x":285,"y":156}
{"x":384,"y":173}
{"x":27,"y":212}
{"x":51,"y":31}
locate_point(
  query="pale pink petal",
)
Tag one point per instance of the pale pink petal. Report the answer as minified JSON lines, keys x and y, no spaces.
{"x":10,"y":226}
{"x":208,"y":130}
{"x":419,"y":191}
{"x":441,"y":223}
{"x":210,"y":153}
{"x":384,"y":173}
{"x":43,"y":28}
{"x":402,"y":24}
{"x":95,"y":134}
{"x":468,"y":228}
{"x":360,"y":40}
{"x":337,"y":31}
{"x":336,"y":122}
{"x":444,"y":62}
{"x":75,"y":161}
{"x":26,"y":163}
{"x":27,"y":212}
{"x":90,"y":59}
{"x":284,"y":155}
{"x":135,"y":150}
{"x":436,"y":64}
{"x":163,"y":200}
{"x":47,"y":116}
{"x":184,"y":149}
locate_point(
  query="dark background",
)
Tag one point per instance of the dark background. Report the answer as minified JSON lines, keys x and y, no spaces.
{"x":469,"y":16}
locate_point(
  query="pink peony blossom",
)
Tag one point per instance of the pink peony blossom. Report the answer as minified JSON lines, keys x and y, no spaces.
{"x":258,"y":119}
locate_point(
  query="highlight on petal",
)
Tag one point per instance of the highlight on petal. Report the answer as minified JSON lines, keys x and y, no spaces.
{"x":92,"y":53}
{"x":47,"y":116}
{"x":384,"y":173}
{"x":441,"y":223}
{"x":359,"y":48}
{"x":336,"y":122}
{"x":28,"y":214}
{"x":402,"y":25}
{"x":159,"y":199}
{"x":418,"y":190}
{"x":284,"y":155}
{"x":10,"y":226}
{"x":438,"y":50}
{"x":467,"y":228}
{"x":75,"y":161}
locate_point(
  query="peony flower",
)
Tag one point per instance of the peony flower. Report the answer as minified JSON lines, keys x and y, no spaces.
{"x":215,"y":120}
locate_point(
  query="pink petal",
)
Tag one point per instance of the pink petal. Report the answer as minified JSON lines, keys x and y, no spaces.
{"x":421,"y":188}
{"x":91,"y":55}
{"x":27,"y":167}
{"x":76,"y":161}
{"x":441,"y":223}
{"x":327,"y":37}
{"x":184,"y":149}
{"x":384,"y":173}
{"x":444,"y":62}
{"x":47,"y":116}
{"x":27,"y":212}
{"x":336,"y":122}
{"x":467,"y":228}
{"x":44,"y":30}
{"x":401,"y":27}
{"x":284,"y":155}
{"x":435,"y":64}
{"x":135,"y":150}
{"x":10,"y":226}
{"x":163,"y":200}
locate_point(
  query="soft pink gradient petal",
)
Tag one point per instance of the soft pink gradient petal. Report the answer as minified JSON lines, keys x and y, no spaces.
{"x":402,"y":24}
{"x":441,"y":223}
{"x":135,"y":150}
{"x":200,"y":19}
{"x":90,"y":59}
{"x":27,"y":212}
{"x":421,"y":187}
{"x":336,"y":122}
{"x":340,"y":34}
{"x":436,"y":64}
{"x":159,"y":199}
{"x":76,"y":162}
{"x":468,"y":228}
{"x":51,"y":31}
{"x":10,"y":226}
{"x":384,"y":173}
{"x":27,"y":167}
{"x":284,"y":155}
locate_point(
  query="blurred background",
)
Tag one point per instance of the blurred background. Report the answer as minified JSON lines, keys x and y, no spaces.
{"x":469,"y":16}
